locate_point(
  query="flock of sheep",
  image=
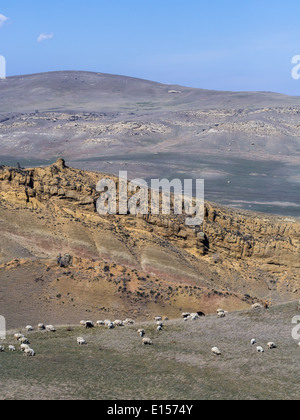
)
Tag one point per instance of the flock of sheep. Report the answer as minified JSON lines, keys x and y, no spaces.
{"x":221,"y":313}
{"x":118,"y":323}
{"x":28,"y":351}
{"x":24,"y":341}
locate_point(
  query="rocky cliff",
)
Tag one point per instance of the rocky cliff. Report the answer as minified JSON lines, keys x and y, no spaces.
{"x":234,"y":258}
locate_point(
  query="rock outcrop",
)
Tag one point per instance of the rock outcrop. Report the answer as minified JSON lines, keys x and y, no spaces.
{"x":249,"y":255}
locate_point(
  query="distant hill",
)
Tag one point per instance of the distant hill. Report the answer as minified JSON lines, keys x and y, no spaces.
{"x":246,"y":145}
{"x":98,"y":92}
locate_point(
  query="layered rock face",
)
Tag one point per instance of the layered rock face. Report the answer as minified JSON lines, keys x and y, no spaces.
{"x":235,"y":255}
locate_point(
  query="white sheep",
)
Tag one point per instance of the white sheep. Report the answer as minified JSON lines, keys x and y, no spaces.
{"x":29,"y":328}
{"x":24,"y":347}
{"x":29,"y":353}
{"x":41,"y":327}
{"x":50,"y":328}
{"x":81,"y":341}
{"x":24,"y":340}
{"x":272,"y":346}
{"x":82,"y":323}
{"x":147,"y":341}
{"x":18,"y":336}
{"x":128,"y":321}
{"x":253,"y":341}
{"x":111,"y":326}
{"x":141,"y":332}
{"x":257,"y":306}
{"x":119,"y":323}
{"x":159,"y":328}
{"x":11,"y":348}
{"x":216,"y":351}
{"x":100,"y":323}
{"x":260,"y":349}
{"x":158,"y":318}
{"x":221,"y":314}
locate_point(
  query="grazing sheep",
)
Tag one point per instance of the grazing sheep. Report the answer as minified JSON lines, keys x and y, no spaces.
{"x":128,"y":321}
{"x":50,"y":328}
{"x":159,"y":328}
{"x":257,"y":306}
{"x":147,"y":341}
{"x":89,"y":324}
{"x":272,"y":346}
{"x":107,"y":322}
{"x":141,"y":332}
{"x":260,"y":349}
{"x":194,"y":316}
{"x":41,"y":327}
{"x":119,"y":323}
{"x":82,"y":323}
{"x":29,"y":353}
{"x":100,"y":323}
{"x":2,"y":349}
{"x":186,"y":315}
{"x":216,"y":351}
{"x":81,"y":341}
{"x":201,"y":314}
{"x":111,"y":326}
{"x":253,"y":341}
{"x":24,"y":347}
{"x":29,"y":328}
{"x":11,"y":348}
{"x":18,"y":336}
{"x":24,"y":340}
{"x":221,"y":314}
{"x":159,"y":324}
{"x":158,"y":318}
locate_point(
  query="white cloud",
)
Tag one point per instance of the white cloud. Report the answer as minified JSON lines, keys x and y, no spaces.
{"x":3,"y":19}
{"x":44,"y":37}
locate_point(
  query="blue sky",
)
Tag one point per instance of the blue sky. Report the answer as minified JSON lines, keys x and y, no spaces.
{"x":217,"y":44}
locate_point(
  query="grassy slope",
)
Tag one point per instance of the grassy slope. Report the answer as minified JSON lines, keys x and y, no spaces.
{"x":180,"y":365}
